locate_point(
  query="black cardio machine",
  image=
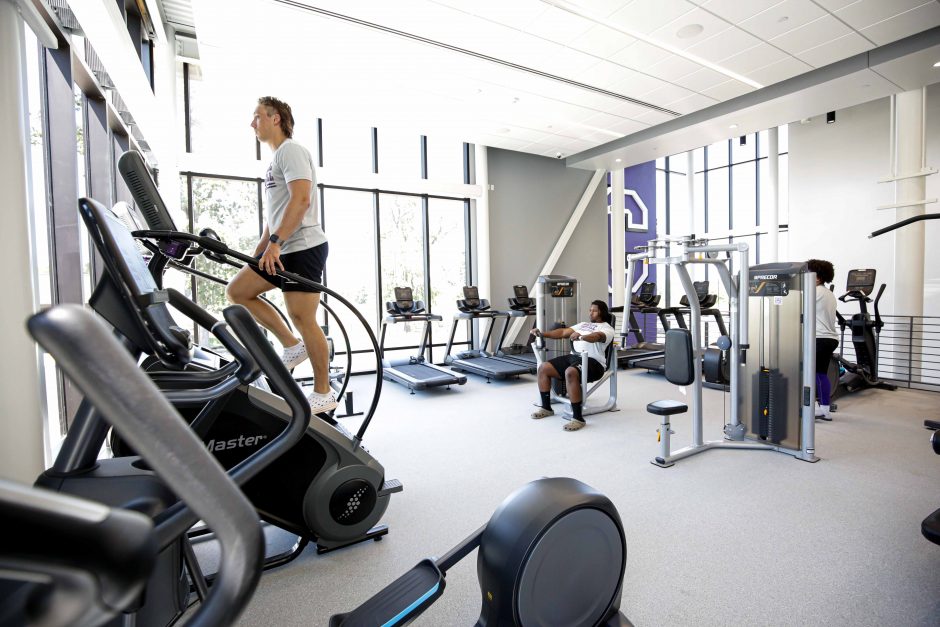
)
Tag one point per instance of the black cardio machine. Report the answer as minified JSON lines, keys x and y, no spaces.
{"x":106,"y":546}
{"x":645,"y":301}
{"x":863,"y":372}
{"x":479,"y":361}
{"x":520,"y":306}
{"x":415,"y":372}
{"x":552,"y":555}
{"x":309,"y":490}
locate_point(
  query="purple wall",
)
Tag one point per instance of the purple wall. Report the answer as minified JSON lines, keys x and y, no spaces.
{"x":641,"y":180}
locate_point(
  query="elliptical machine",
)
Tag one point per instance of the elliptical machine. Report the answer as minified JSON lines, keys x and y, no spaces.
{"x":863,"y":373}
{"x":553,"y":554}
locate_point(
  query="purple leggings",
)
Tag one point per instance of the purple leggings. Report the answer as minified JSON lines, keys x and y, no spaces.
{"x":823,"y":389}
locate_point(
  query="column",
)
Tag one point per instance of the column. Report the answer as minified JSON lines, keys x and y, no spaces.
{"x":21,"y":444}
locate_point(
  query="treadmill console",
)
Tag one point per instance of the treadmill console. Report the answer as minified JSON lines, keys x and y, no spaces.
{"x":521,"y":299}
{"x":404,"y":303}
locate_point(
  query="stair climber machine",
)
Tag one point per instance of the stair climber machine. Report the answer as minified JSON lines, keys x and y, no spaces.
{"x":181,"y":255}
{"x":327,"y":487}
{"x":863,"y":372}
{"x":772,"y":335}
{"x":645,"y":301}
{"x":552,"y":555}
{"x":520,"y":306}
{"x":479,"y":361}
{"x":93,"y":553}
{"x":415,"y":372}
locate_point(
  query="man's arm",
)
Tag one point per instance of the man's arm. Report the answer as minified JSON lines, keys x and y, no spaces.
{"x":262,"y":243}
{"x":297,"y":206}
{"x":553,"y":334}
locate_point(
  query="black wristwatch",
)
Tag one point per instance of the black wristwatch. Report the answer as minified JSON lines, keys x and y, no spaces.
{"x":274,"y":239}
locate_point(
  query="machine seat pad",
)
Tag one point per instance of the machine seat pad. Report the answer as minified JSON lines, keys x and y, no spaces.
{"x":667,"y":408}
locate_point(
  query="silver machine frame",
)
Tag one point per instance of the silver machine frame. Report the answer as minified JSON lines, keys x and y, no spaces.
{"x":692,"y":251}
{"x":587,"y":389}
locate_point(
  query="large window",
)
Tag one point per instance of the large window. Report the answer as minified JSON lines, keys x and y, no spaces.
{"x":350,"y":267}
{"x":730,"y":196}
{"x":230,"y":207}
{"x":448,"y":247}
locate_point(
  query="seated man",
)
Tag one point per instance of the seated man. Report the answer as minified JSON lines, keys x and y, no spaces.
{"x":592,"y":337}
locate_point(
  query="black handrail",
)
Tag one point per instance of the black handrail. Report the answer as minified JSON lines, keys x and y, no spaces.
{"x":905,"y":222}
{"x":217,"y":246}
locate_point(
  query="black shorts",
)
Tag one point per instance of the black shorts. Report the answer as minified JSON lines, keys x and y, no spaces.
{"x":595,"y":369}
{"x":308,"y":263}
{"x":825,"y":347}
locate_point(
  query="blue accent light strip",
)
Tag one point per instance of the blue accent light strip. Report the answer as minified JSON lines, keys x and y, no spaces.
{"x":408,"y":610}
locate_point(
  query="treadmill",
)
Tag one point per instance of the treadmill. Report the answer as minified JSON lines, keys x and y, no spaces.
{"x":645,"y":301}
{"x":520,"y":306}
{"x":478,"y":361}
{"x":707,"y":304}
{"x":414,"y":372}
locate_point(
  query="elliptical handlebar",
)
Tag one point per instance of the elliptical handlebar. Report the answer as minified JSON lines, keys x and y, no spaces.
{"x":217,"y":246}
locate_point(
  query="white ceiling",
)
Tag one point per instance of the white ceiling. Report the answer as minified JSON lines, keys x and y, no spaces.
{"x":538,"y":76}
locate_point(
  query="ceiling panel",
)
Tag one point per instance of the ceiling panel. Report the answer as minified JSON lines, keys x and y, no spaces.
{"x":728,"y":90}
{"x":639,"y":55}
{"x":702,"y":79}
{"x":864,"y":13}
{"x":919,"y":19}
{"x":737,"y":11}
{"x":815,"y":33}
{"x":568,"y":63}
{"x":664,"y":95}
{"x":753,"y":58}
{"x":836,"y":50}
{"x":645,"y":16}
{"x":605,"y":74}
{"x":689,"y":29}
{"x":598,"y":8}
{"x":601,"y":41}
{"x":627,"y":110}
{"x":834,"y":5}
{"x":782,"y":17}
{"x":673,"y":68}
{"x":692,"y":103}
{"x":728,"y":43}
{"x":558,"y":25}
{"x":517,"y":14}
{"x":779,"y":71}
{"x":638,"y":84}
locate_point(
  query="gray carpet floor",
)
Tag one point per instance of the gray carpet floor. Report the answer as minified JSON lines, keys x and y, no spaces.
{"x":722,"y":538}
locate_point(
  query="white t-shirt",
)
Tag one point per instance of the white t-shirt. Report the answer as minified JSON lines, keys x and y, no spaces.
{"x":826,"y":323}
{"x":292,"y":162}
{"x":595,"y":350}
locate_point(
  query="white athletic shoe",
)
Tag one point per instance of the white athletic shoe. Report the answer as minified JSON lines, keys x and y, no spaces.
{"x":294,"y":355}
{"x":321,"y":403}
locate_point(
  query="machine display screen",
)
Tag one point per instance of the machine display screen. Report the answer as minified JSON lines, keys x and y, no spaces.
{"x":562,"y":290}
{"x":861,"y":280}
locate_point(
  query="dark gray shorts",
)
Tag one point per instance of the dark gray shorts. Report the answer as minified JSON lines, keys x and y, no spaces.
{"x":595,"y":370}
{"x":308,"y":263}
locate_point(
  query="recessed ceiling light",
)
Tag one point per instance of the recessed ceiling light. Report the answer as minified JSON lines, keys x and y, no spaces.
{"x":782,"y":19}
{"x":733,"y":126}
{"x":937,"y":64}
{"x":505,"y":130}
{"x":689,"y":30}
{"x":618,"y":160}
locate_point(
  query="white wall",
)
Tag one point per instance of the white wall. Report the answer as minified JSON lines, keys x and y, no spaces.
{"x":833,"y":188}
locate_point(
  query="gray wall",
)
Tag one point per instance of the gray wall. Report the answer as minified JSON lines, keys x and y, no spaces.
{"x":530,"y":202}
